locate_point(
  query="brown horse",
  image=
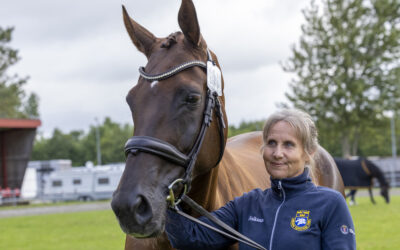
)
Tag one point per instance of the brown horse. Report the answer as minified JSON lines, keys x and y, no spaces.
{"x":171,"y":110}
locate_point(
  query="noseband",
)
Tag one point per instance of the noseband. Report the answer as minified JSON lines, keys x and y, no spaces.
{"x":169,"y":152}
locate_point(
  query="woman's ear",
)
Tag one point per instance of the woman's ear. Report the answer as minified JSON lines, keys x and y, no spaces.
{"x":307,"y":157}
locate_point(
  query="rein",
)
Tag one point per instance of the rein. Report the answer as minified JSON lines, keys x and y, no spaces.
{"x":169,"y":152}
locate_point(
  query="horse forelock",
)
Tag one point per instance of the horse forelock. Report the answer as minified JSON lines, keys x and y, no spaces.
{"x":172,"y":51}
{"x":170,"y":40}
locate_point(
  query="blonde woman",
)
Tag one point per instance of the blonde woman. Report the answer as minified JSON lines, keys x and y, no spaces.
{"x":292,"y":214}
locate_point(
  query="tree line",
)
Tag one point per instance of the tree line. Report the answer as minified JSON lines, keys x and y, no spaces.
{"x":374,"y":141}
{"x":80,"y":146}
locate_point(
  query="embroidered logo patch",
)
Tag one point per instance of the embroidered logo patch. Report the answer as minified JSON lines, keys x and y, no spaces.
{"x":344,"y":229}
{"x":302,"y":221}
{"x":347,"y":230}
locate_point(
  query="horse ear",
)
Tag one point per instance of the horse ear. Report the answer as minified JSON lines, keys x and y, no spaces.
{"x":187,"y":19}
{"x":140,"y":36}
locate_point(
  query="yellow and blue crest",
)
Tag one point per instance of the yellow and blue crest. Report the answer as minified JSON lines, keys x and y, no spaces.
{"x":302,"y":220}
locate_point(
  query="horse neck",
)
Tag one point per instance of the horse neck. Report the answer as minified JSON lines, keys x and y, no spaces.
{"x":160,"y":242}
{"x":203,"y":189}
{"x":377,"y":173}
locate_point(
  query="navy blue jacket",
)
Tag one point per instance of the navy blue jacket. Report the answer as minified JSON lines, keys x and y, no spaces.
{"x":292,"y":214}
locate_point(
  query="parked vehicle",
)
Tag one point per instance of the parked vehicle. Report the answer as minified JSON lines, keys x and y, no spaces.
{"x":36,"y":174}
{"x":7,"y":192}
{"x":82,"y":183}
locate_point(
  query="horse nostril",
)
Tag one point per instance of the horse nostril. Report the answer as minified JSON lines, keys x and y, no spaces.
{"x":142,"y":210}
{"x":141,"y":207}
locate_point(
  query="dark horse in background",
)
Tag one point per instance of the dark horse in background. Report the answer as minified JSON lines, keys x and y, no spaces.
{"x":171,"y":112}
{"x":358,"y":174}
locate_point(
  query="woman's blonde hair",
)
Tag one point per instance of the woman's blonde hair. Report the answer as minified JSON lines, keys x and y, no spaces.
{"x":304,"y":126}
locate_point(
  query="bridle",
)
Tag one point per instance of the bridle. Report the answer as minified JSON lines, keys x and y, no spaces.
{"x":169,"y":152}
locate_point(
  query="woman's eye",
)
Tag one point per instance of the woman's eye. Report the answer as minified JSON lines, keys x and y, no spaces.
{"x":193,"y":99}
{"x":271,"y":143}
{"x":289,"y":144}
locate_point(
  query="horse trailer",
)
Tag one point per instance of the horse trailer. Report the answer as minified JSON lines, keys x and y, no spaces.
{"x":57,"y":180}
{"x":82,"y":183}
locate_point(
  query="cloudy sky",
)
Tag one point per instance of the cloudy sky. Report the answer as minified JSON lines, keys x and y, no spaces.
{"x":82,"y":63}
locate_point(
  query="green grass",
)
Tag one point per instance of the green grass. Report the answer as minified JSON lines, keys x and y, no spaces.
{"x":69,"y":231}
{"x":377,"y":226}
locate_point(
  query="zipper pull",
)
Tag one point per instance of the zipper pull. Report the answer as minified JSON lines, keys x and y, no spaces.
{"x":280,"y":188}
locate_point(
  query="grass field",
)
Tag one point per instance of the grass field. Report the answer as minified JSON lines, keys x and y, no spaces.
{"x":70,"y":231}
{"x":377,"y":227}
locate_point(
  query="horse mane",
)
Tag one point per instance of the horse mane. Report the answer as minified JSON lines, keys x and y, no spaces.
{"x":170,"y":40}
{"x":376,"y":172}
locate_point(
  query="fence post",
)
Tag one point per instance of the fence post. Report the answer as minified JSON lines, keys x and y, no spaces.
{"x":393,"y":166}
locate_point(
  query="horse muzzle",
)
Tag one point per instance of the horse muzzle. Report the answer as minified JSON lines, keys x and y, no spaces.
{"x":135,"y":214}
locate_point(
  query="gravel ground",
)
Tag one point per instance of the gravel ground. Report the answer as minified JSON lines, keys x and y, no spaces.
{"x":20,"y":211}
{"x":54,"y":209}
{"x":376,"y":192}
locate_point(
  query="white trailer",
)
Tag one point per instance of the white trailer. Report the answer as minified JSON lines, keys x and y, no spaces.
{"x":82,"y":183}
{"x":36,"y":172}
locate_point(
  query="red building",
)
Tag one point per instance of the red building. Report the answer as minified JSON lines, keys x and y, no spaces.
{"x":16,"y":141}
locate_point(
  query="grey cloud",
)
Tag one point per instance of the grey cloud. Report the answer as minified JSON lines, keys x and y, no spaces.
{"x":71,"y":46}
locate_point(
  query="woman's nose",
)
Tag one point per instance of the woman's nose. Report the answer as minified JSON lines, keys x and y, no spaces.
{"x":278,"y":153}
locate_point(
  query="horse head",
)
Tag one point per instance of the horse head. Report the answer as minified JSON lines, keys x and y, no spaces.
{"x":167,"y":105}
{"x":385,"y":193}
{"x":376,"y":172}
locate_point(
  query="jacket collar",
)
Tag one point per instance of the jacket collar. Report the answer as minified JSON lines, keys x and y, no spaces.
{"x":292,"y":186}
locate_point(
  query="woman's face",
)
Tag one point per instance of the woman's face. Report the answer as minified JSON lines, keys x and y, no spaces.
{"x":284,"y":156}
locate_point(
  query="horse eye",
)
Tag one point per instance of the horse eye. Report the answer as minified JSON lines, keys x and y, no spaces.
{"x":193,"y":98}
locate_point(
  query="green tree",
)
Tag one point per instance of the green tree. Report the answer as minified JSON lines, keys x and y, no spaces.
{"x":112,"y":140}
{"x":60,"y":146}
{"x":347,"y":66}
{"x":245,"y":127}
{"x":80,"y":147}
{"x":31,"y":107}
{"x":12,"y":96}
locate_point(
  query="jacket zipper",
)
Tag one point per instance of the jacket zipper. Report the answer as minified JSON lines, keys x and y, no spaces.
{"x":277,"y":213}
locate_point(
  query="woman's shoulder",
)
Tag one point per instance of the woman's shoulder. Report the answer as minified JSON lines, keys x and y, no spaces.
{"x":329,"y":193}
{"x":254,"y":194}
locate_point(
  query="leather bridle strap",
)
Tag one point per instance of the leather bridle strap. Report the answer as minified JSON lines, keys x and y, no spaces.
{"x":172,"y":71}
{"x":227,"y":230}
{"x":155,"y":146}
{"x":207,"y":119}
{"x":167,"y":151}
